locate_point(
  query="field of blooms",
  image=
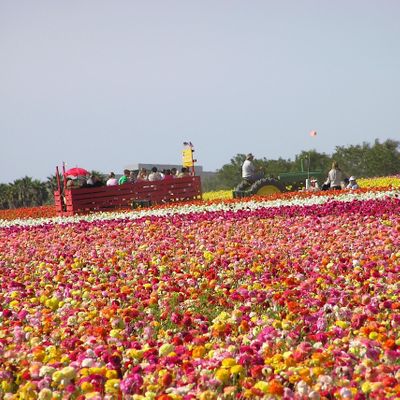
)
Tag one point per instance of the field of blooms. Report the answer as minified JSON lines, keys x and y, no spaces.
{"x":294,"y":297}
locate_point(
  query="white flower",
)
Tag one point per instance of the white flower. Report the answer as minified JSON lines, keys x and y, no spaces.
{"x":302,"y":388}
{"x":46,"y":370}
{"x":87,"y":363}
{"x":346,"y":393}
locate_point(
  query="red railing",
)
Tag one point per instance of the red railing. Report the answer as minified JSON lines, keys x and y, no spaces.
{"x":107,"y":198}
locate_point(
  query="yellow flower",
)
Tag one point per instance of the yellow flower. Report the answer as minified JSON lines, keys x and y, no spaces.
{"x":147,"y":285}
{"x":84,"y":372}
{"x":165,"y":349}
{"x":68,"y":372}
{"x":316,"y":371}
{"x":342,"y":324}
{"x":262,"y":385}
{"x":92,"y":395}
{"x":294,"y":378}
{"x":112,"y":386}
{"x":277,"y":324}
{"x":98,"y":371}
{"x":208,"y":395}
{"x":14,"y":304}
{"x":287,"y":354}
{"x":236,"y":369}
{"x":115,"y":333}
{"x":228,"y":362}
{"x":57,"y":376}
{"x":208,"y":256}
{"x":136,"y":354}
{"x":286,"y":325}
{"x":198,"y":351}
{"x":366,"y":387}
{"x":52,"y":303}
{"x":86,"y":387}
{"x":28,"y":391}
{"x":373,"y":335}
{"x":6,"y":386}
{"x":45,"y":394}
{"x":222,"y":375}
{"x":111,"y":374}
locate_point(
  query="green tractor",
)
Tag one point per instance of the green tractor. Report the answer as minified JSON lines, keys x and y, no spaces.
{"x":285,"y":182}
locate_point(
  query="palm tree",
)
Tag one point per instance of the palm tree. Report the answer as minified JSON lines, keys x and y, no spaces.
{"x":40,"y":193}
{"x":52,"y":186}
{"x":99,"y":176}
{"x":26,"y":192}
{"x":4,"y":196}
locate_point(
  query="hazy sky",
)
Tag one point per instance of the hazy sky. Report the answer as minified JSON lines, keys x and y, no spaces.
{"x":103,"y":84}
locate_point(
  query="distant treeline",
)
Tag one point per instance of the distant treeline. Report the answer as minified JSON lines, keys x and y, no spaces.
{"x":365,"y":160}
{"x":25,"y":192}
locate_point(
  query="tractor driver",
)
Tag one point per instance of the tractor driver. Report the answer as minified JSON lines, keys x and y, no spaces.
{"x":249,"y":171}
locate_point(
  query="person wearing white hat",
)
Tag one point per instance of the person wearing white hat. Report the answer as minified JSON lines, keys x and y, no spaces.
{"x":352,"y":183}
{"x":313,"y":185}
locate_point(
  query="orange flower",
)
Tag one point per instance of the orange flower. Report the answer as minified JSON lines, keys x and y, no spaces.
{"x":198,"y":351}
{"x":164,"y":397}
{"x":275,"y":387}
{"x":389,"y":344}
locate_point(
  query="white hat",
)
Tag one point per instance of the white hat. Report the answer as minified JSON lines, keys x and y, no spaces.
{"x":352,"y":178}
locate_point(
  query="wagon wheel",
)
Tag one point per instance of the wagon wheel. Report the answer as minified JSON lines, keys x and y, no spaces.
{"x":267,"y":187}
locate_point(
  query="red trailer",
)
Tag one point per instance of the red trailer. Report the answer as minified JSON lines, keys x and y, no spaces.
{"x":129,"y":195}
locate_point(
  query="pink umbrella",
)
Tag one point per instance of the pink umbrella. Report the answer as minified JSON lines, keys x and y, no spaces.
{"x":76,"y":172}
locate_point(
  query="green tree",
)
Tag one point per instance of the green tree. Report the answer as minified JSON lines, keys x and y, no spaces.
{"x":353,"y":159}
{"x":52,"y":186}
{"x":275,"y":167}
{"x":231,"y":174}
{"x":26,"y":192}
{"x":102,"y":178}
{"x":383,"y":158}
{"x":4,"y":196}
{"x":380,"y":159}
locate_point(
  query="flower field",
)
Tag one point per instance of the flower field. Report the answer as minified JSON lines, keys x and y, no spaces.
{"x":294,"y":297}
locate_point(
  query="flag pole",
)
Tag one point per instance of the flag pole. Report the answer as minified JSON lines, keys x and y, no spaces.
{"x":312,"y":134}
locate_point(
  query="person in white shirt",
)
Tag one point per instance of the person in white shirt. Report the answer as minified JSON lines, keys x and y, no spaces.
{"x":249,"y":171}
{"x":335,"y":177}
{"x":155,"y":175}
{"x":112,"y":181}
{"x":352,"y":183}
